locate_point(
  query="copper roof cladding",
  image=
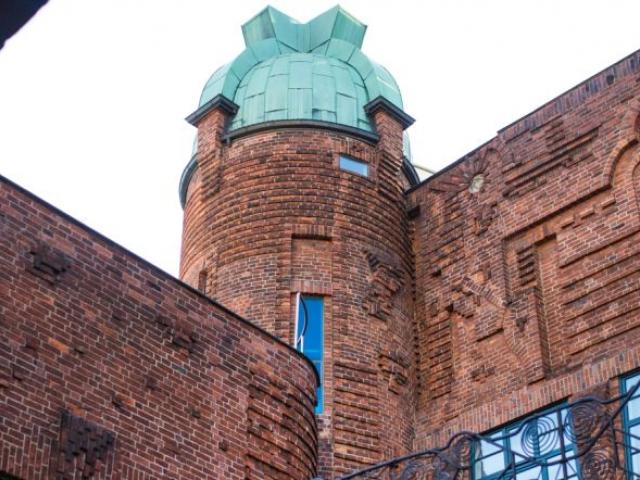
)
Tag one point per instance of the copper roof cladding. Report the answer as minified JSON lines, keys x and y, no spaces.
{"x":309,"y":74}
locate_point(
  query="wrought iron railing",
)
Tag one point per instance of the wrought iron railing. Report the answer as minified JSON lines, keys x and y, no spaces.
{"x":585,"y":440}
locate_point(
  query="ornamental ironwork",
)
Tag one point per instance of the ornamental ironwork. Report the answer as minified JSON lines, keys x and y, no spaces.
{"x":588,"y":439}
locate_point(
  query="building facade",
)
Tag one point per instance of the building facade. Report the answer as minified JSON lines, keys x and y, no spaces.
{"x":384,"y":315}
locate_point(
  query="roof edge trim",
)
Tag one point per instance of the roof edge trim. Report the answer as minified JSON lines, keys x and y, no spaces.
{"x":219,"y":101}
{"x":381,"y":103}
{"x":625,"y":66}
{"x":278,"y":124}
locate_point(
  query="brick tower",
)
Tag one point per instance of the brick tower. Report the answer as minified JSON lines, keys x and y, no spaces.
{"x":294,"y":217}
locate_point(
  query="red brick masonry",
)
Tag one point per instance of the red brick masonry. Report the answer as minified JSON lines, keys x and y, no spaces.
{"x":110,"y":367}
{"x":270,"y":214}
{"x":503,"y":284}
{"x":528,"y":262}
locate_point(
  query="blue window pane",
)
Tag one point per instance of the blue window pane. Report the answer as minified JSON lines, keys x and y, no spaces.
{"x":634,"y":439}
{"x":310,"y":334}
{"x":633,"y":407}
{"x":557,"y":471}
{"x":533,"y":473}
{"x":631,"y":425}
{"x":635,"y":464}
{"x":631,"y":382}
{"x":490,"y":457}
{"x":548,"y":434}
{"x":525,"y":449}
{"x":354,"y":166}
{"x":487,"y":447}
{"x":490,"y":465}
{"x":520,"y":449}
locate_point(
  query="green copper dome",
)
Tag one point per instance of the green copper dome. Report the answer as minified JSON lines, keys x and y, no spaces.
{"x":309,"y":72}
{"x":295,"y":71}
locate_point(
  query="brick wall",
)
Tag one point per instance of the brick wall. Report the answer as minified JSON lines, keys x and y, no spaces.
{"x":528,"y":262}
{"x":111,"y":368}
{"x":280,"y":218}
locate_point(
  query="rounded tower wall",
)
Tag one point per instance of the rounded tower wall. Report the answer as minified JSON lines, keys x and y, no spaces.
{"x":295,"y":218}
{"x":279,"y":216}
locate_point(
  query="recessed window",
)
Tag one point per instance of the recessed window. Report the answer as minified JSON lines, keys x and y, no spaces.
{"x":354,"y":166}
{"x":631,"y":421}
{"x":309,"y":335}
{"x":513,"y":448}
{"x":202,"y":281}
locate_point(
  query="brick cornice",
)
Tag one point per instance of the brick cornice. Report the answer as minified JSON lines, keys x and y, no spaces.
{"x":278,"y":124}
{"x":219,"y":101}
{"x":381,"y":103}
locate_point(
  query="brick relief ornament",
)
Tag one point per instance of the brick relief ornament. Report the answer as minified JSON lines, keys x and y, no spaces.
{"x":564,"y":148}
{"x":474,"y":290}
{"x":485,"y":214}
{"x":526,"y":336}
{"x":385,"y":282}
{"x":48,"y":263}
{"x":471,"y":176}
{"x":394,"y":366}
{"x":178,"y":332}
{"x":440,"y":347}
{"x":468,"y":204}
{"x":84,"y":448}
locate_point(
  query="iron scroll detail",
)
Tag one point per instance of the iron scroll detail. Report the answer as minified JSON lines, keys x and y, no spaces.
{"x":586,"y":439}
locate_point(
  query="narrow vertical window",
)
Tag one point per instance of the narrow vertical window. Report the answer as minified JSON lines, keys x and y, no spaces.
{"x":309,"y":335}
{"x":354,"y":166}
{"x":631,"y":424}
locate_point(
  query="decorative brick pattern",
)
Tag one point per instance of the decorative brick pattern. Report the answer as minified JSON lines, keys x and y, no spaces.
{"x":527,"y":279}
{"x":384,"y":283}
{"x":505,"y":283}
{"x":522,"y":266}
{"x":84,"y":449}
{"x":48,"y":264}
{"x":154,"y":380}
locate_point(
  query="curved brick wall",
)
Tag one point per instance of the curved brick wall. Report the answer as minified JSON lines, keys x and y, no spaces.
{"x":275,"y":216}
{"x":170,"y":384}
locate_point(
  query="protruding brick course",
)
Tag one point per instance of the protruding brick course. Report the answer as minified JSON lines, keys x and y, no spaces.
{"x":527,"y":263}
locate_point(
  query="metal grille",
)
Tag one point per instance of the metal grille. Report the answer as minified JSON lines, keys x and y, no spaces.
{"x":587,"y":439}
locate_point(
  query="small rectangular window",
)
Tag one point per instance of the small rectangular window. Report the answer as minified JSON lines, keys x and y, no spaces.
{"x":354,"y":166}
{"x":309,"y":335}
